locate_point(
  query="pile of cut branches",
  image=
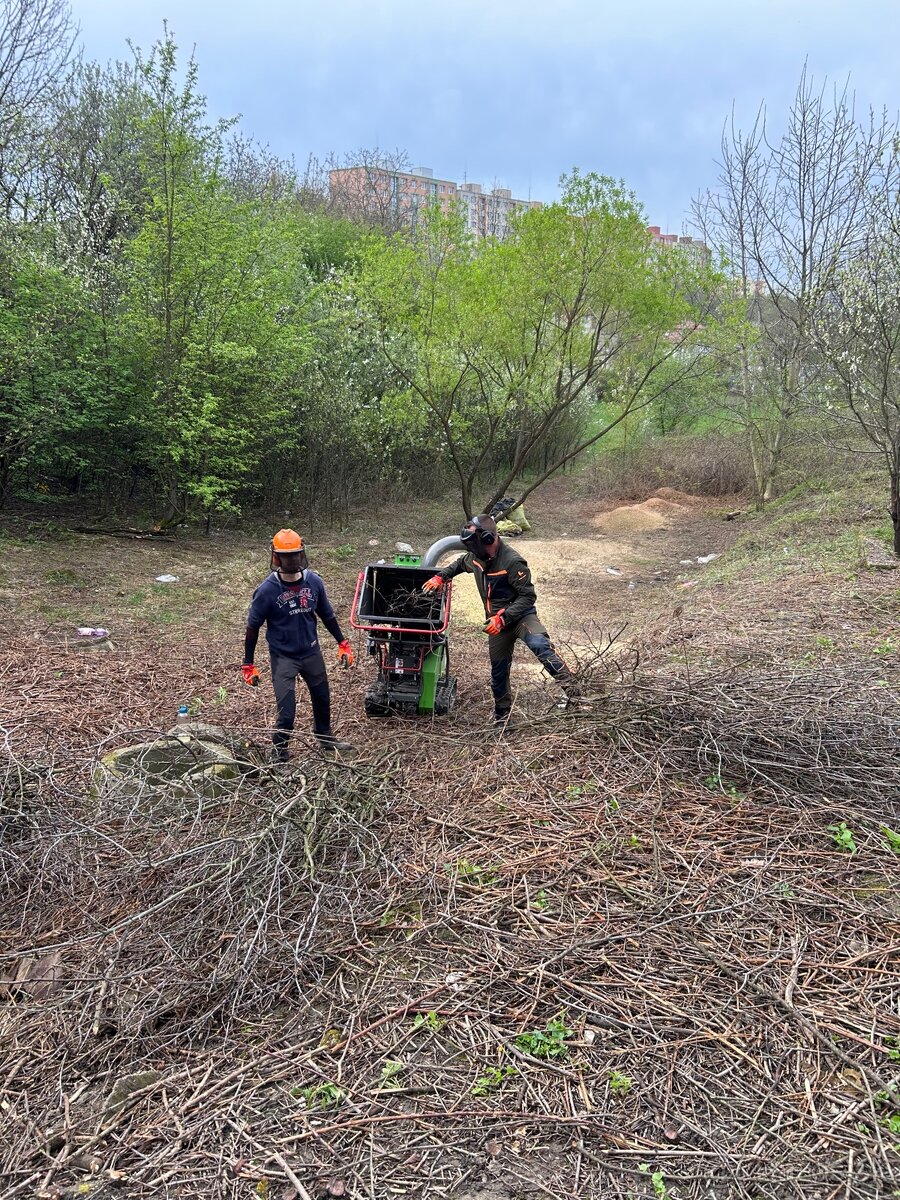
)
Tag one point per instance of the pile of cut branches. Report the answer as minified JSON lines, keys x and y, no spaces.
{"x":650,"y":950}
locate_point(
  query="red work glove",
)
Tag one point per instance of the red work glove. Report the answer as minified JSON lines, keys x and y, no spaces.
{"x":345,"y":653}
{"x":434,"y":584}
{"x":250,"y":674}
{"x":495,"y":624}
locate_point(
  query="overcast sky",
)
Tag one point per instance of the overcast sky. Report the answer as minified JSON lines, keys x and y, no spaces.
{"x":514,"y":92}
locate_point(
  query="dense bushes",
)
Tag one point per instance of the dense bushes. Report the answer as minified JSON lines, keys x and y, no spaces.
{"x":710,"y":464}
{"x":188,"y":328}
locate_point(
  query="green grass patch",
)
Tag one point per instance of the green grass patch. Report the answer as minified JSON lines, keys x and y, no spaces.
{"x":65,"y":577}
{"x":165,"y":604}
{"x":57,"y":614}
{"x":884,"y":533}
{"x":12,"y":541}
{"x":765,"y":555}
{"x":814,"y":527}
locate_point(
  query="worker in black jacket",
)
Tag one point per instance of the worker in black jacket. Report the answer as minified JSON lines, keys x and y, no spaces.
{"x":507,"y":592}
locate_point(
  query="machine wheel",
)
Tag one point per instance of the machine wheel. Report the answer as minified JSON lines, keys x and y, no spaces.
{"x":375,"y":705}
{"x":445,"y":698}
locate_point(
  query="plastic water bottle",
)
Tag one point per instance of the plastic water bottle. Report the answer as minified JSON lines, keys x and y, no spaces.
{"x":183,"y":715}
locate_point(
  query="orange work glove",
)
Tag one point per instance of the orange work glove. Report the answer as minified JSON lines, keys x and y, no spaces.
{"x":250,"y":674}
{"x":345,"y":653}
{"x":495,"y":624}
{"x":434,"y":584}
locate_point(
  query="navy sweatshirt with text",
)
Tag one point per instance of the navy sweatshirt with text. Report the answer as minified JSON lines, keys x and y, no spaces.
{"x":289,"y":612}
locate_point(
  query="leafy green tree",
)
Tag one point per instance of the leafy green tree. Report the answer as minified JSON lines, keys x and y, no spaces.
{"x":207,"y":282}
{"x":49,"y":363}
{"x":344,"y":437}
{"x":507,"y":343}
{"x":618,"y":319}
{"x":330,"y":242}
{"x":683,"y":400}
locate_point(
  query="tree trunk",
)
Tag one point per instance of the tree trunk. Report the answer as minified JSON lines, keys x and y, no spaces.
{"x":756,"y":451}
{"x":895,"y":508}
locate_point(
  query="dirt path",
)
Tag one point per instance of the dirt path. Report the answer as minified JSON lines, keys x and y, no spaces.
{"x":609,"y":566}
{"x":596,"y":567}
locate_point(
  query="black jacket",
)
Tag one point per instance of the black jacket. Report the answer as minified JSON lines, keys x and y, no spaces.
{"x":504,"y":582}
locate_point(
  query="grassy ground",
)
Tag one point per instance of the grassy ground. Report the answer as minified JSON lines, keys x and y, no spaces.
{"x":649,"y":951}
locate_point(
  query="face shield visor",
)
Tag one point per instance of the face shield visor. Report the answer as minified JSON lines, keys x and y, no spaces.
{"x":289,"y":562}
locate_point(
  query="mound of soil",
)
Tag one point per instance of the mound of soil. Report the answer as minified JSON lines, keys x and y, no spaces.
{"x":638,"y":518}
{"x":673,"y":494}
{"x":659,"y":505}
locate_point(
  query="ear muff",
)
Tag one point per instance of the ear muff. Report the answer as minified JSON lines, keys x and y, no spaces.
{"x":483,"y":537}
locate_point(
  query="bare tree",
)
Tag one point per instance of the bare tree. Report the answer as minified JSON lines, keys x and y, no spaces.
{"x":36,"y":42}
{"x":788,"y":214}
{"x":254,"y":172}
{"x":312,"y":186}
{"x":367,"y":186}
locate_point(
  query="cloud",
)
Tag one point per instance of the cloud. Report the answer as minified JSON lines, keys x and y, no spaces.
{"x":516,"y":91}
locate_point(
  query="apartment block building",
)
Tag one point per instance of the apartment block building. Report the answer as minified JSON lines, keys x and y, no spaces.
{"x":395,"y":198}
{"x":386,"y":197}
{"x":488,"y":214}
{"x":695,"y":247}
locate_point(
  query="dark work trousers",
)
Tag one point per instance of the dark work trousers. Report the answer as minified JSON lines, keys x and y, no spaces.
{"x":311,"y":670}
{"x":500,"y":649}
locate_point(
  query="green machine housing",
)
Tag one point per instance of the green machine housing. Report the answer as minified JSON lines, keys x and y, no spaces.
{"x":406,"y":634}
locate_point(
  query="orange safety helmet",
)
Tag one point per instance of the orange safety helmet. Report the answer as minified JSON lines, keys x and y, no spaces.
{"x":288,"y":541}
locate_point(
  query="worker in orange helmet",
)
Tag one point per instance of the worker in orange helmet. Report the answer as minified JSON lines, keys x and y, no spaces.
{"x":290,"y":602}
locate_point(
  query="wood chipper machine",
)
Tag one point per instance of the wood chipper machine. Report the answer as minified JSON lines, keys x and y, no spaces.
{"x":406,"y":632}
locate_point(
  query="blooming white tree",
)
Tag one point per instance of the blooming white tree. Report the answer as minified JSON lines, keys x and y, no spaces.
{"x":859,"y":336}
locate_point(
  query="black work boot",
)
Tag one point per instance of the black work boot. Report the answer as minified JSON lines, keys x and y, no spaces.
{"x":278,"y":753}
{"x":501,"y":718}
{"x":330,"y":743}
